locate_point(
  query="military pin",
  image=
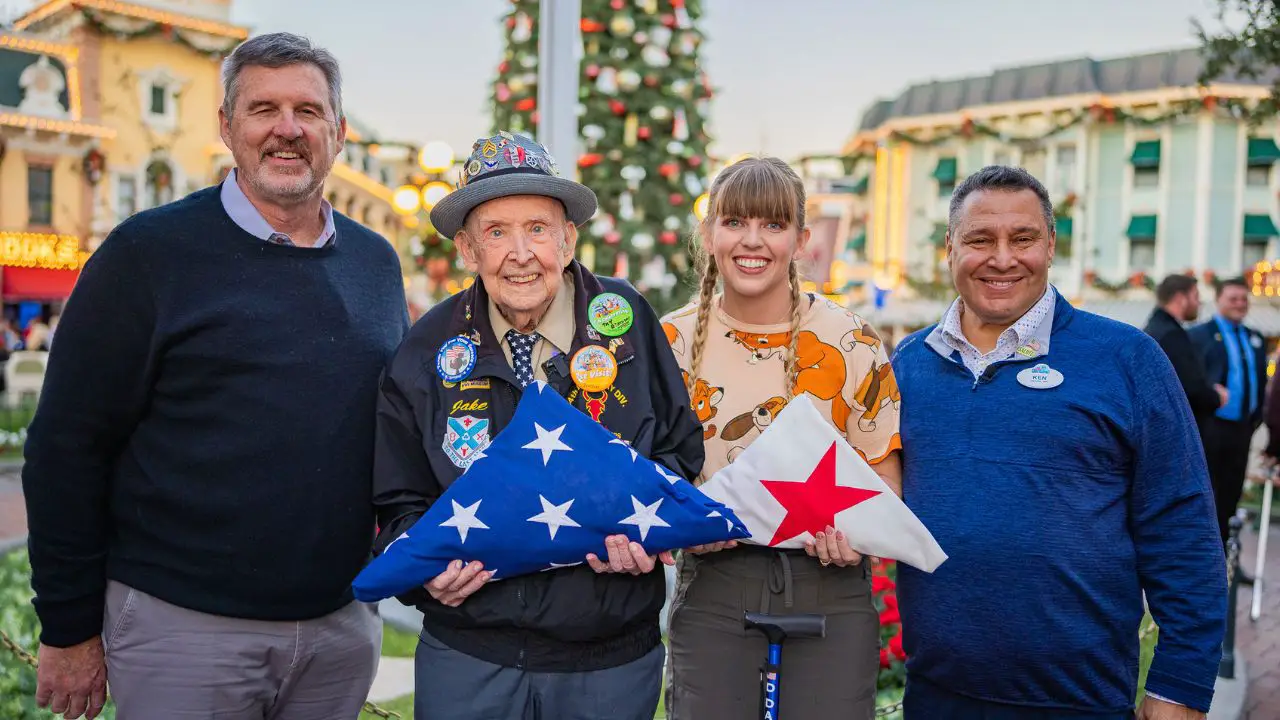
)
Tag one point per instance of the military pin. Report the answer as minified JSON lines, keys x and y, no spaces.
{"x":456,"y":359}
{"x":473,"y":168}
{"x":489,"y":149}
{"x":593,"y":368}
{"x":611,"y":314}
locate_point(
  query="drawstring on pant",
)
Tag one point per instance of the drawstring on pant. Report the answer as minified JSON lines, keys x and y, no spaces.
{"x":778,"y":580}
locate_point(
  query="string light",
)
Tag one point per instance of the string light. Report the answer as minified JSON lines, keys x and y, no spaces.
{"x":53,"y":7}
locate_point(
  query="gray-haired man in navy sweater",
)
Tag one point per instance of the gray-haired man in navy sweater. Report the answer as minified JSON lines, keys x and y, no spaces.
{"x":198,"y":472}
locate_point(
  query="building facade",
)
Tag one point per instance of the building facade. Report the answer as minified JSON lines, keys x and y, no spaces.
{"x":1149,"y":172}
{"x":108,"y":108}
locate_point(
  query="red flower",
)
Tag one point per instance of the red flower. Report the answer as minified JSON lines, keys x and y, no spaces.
{"x":895,"y":646}
{"x":884,"y":658}
{"x":882,"y":583}
{"x":890,"y":601}
{"x":890,"y":616}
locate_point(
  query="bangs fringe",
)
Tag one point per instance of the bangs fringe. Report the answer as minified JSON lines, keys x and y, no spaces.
{"x":754,"y":188}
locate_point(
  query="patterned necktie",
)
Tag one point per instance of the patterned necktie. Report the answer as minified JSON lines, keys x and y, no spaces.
{"x":522,"y":355}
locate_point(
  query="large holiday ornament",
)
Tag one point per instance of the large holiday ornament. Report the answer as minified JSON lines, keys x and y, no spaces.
{"x":622,"y":25}
{"x":607,"y":83}
{"x":523,"y":31}
{"x":628,"y":80}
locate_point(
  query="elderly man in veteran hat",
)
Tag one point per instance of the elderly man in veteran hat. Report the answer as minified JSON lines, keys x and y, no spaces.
{"x":578,"y":642}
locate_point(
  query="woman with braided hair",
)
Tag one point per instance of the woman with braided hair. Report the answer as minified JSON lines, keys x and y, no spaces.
{"x":749,"y":342}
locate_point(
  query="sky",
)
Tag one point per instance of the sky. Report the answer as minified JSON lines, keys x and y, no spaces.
{"x":792,"y":76}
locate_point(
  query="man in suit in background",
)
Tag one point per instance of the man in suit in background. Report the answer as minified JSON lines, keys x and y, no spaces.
{"x":1178,"y":301}
{"x":1234,"y":356}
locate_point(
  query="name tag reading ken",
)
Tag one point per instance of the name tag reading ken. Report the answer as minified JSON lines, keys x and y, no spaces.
{"x":1040,"y":377}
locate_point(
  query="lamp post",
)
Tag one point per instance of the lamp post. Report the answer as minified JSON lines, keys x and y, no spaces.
{"x":426,"y":185}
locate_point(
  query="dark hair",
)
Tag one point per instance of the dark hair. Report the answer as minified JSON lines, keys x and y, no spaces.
{"x":1229,"y":282}
{"x":1173,"y":286}
{"x":275,"y":50}
{"x":1002,"y":178}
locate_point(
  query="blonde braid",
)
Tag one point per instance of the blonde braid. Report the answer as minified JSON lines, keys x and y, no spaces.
{"x":706,"y":296}
{"x":793,"y":365}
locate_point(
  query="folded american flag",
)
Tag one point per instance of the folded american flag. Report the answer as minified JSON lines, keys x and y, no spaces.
{"x":545,"y":493}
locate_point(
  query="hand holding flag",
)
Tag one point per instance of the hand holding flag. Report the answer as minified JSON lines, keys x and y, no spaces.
{"x":548,"y":491}
{"x":800,"y":477}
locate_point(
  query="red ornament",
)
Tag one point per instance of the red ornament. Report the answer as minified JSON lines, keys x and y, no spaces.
{"x":677,"y":3}
{"x":676,"y":198}
{"x":616,"y":4}
{"x":590,"y":159}
{"x":527,"y":104}
{"x":812,"y":505}
{"x":534,"y":117}
{"x":617,"y":108}
{"x":502,"y":92}
{"x":644,"y":132}
{"x":668,"y":170}
{"x":669,"y":20}
{"x":504,"y":66}
{"x":593,"y":71}
{"x":651,"y":80}
{"x":589,"y":26}
{"x":612,"y":238}
{"x":511,"y":21}
{"x":694,"y":161}
{"x":668,"y":237}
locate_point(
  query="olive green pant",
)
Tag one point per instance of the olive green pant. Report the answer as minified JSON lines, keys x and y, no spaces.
{"x":714,"y":664}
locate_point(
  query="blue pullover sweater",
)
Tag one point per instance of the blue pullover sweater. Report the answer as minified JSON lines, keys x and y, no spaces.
{"x":1058,"y":507}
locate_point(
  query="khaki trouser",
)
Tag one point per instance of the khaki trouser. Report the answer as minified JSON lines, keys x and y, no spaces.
{"x":714,"y":666}
{"x":165,"y":662}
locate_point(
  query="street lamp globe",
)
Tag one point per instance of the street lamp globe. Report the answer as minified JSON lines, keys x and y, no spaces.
{"x":434,"y":192}
{"x":435,"y":157}
{"x":406,"y":200}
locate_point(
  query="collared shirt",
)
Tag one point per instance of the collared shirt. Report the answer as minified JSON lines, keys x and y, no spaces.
{"x":1031,"y":331}
{"x":556,"y":328}
{"x":244,"y":214}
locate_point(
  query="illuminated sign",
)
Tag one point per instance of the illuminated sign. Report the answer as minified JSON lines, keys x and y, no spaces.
{"x":37,"y":250}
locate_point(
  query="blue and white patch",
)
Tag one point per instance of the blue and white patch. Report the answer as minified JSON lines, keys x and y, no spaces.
{"x":456,"y":359}
{"x":1040,"y":377}
{"x":465,"y":438}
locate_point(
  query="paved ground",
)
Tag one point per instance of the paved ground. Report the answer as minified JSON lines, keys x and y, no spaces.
{"x":1259,"y":642}
{"x":13,"y":514}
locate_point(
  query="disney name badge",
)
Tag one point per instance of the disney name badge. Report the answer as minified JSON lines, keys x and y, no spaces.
{"x":1040,"y":377}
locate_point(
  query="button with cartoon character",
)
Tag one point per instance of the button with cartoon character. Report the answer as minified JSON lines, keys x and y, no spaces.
{"x":593,"y":368}
{"x":456,"y":359}
{"x":610,"y":314}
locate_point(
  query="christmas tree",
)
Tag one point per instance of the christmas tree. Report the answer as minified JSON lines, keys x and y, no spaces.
{"x":642,"y":106}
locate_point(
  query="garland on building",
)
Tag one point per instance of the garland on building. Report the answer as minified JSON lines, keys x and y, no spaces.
{"x":144,"y":29}
{"x":643,"y":98}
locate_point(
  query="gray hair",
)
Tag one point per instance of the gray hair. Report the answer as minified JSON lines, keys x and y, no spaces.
{"x":1001,"y":178}
{"x":276,"y":50}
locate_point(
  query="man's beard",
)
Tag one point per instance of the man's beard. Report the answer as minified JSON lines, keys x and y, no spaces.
{"x":286,"y":188}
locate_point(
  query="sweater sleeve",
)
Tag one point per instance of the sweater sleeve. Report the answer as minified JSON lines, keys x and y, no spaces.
{"x":1172,"y":518}
{"x":95,"y":390}
{"x":677,"y":438}
{"x":404,"y":486}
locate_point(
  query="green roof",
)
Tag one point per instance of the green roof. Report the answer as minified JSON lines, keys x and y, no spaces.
{"x":1142,"y":227}
{"x":1063,"y":226}
{"x":945,"y":172}
{"x":1146,"y":154}
{"x":1263,"y":151}
{"x":1259,"y":229}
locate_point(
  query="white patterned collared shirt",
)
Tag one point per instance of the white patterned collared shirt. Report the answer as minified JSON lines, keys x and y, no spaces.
{"x":1025,"y":333}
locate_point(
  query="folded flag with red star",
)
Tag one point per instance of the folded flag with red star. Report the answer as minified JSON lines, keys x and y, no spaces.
{"x":542,"y":495}
{"x":799,"y":477}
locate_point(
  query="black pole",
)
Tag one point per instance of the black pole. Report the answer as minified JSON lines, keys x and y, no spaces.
{"x":1227,"y":666}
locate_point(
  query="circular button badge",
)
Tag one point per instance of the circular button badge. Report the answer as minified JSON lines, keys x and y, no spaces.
{"x":594,"y":368}
{"x":610,"y":314}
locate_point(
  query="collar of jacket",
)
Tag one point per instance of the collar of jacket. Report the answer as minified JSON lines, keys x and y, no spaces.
{"x":471,"y":319}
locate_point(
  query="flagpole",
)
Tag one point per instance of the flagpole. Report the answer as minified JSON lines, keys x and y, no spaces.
{"x":559,"y":55}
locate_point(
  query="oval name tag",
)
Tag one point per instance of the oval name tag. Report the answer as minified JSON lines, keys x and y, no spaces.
{"x":1040,"y":377}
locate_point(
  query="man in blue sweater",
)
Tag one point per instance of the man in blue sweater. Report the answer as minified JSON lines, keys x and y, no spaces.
{"x":1054,"y":456}
{"x":198,"y":473}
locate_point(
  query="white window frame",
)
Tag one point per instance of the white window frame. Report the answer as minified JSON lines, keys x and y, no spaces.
{"x":163,"y":78}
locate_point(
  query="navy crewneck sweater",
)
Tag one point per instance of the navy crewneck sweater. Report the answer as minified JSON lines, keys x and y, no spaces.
{"x":1058,"y":508}
{"x":205,"y":434}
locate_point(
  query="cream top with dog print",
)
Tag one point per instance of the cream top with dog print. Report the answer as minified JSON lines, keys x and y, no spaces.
{"x":842,"y":366}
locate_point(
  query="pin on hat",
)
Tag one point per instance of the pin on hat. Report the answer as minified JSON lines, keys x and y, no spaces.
{"x":504,"y":165}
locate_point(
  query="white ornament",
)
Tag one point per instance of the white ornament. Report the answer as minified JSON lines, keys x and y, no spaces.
{"x":660,"y":113}
{"x":681,"y":87}
{"x":628,"y":80}
{"x":523,"y":31}
{"x":693,"y":184}
{"x":672,"y":223}
{"x":593,"y":132}
{"x":528,"y":60}
{"x":642,"y":241}
{"x":619,"y":53}
{"x":680,"y":126}
{"x":602,"y":226}
{"x":654,"y":56}
{"x":607,"y":81}
{"x":662,"y":36}
{"x":641,"y":37}
{"x":626,"y":210}
{"x":675,"y":147}
{"x":682,"y":19}
{"x":634,"y":175}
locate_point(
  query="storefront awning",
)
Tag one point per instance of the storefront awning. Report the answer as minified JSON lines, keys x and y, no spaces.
{"x":42,"y":284}
{"x":1141,"y":227}
{"x":1063,"y":226}
{"x":945,"y":172}
{"x":1146,"y":154}
{"x":1258,"y":229}
{"x":1263,"y":151}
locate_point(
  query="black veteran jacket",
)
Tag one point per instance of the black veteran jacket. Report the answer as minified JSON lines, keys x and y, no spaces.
{"x":569,"y":620}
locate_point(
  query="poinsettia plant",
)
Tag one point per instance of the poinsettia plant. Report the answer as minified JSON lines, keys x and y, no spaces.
{"x":892,"y":681}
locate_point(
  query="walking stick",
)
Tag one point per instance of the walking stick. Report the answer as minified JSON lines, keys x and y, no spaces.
{"x":776,"y":629}
{"x":1264,"y":529}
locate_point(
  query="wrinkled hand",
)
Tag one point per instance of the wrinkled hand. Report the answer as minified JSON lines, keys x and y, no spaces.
{"x":457,"y":583}
{"x":72,"y":681}
{"x":1152,"y":709}
{"x":832,"y":548}
{"x":712,"y":547}
{"x":1223,"y":395}
{"x":627,"y":557}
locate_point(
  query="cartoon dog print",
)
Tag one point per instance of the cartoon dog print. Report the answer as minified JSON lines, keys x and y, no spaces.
{"x":877,"y":391}
{"x":704,"y":401}
{"x":822,"y":372}
{"x":674,"y":339}
{"x":865,"y":335}
{"x":758,"y":418}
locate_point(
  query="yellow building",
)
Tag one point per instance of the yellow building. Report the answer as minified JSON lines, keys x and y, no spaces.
{"x":108,"y":108}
